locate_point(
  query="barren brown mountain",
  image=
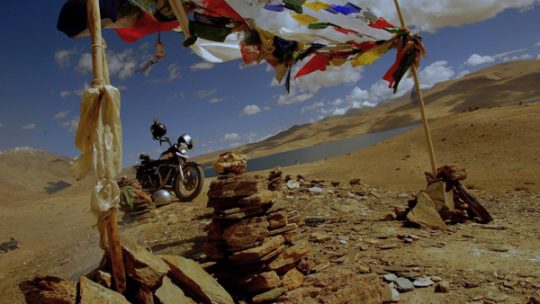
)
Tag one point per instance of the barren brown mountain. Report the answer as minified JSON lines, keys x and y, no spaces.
{"x":504,"y":84}
{"x":31,"y":173}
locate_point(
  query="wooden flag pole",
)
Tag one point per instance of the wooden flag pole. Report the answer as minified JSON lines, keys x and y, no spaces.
{"x":427,"y":131}
{"x":181,"y":15}
{"x":115,"y":250}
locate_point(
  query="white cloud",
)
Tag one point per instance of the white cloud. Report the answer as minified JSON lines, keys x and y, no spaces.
{"x":429,"y":15}
{"x":304,"y":88}
{"x":515,"y":58}
{"x":338,"y":101}
{"x":231,"y":137}
{"x":71,"y":125}
{"x":538,"y":58}
{"x":180,"y":95}
{"x":61,"y":115}
{"x":121,"y":64}
{"x":293,"y":98}
{"x":29,"y":126}
{"x":251,"y":110}
{"x":436,"y":72}
{"x":463,"y":74}
{"x":215,"y":100}
{"x":312,"y":107}
{"x":79,"y":92}
{"x":174,"y":71}
{"x":538,"y":44}
{"x":63,"y":57}
{"x":476,"y":59}
{"x":267,"y":108}
{"x":201,"y":66}
{"x":1,"y":125}
{"x":205,"y":93}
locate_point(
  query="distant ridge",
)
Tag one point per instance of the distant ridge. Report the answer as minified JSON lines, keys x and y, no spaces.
{"x":504,"y":84}
{"x":30,"y":173}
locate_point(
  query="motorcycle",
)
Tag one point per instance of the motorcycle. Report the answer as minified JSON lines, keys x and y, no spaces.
{"x":172,"y":171}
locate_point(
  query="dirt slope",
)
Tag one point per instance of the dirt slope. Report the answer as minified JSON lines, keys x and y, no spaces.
{"x":504,"y":84}
{"x":27,"y":173}
{"x":498,"y":147}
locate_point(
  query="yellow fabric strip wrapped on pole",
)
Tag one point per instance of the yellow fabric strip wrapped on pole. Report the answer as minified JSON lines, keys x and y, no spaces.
{"x":421,"y":102}
{"x":99,"y":138}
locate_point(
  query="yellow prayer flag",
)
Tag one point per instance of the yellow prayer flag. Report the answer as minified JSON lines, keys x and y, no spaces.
{"x":338,"y":61}
{"x":305,"y":19}
{"x":316,"y":5}
{"x":372,"y":55}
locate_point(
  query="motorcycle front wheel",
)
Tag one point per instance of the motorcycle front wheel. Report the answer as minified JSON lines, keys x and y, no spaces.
{"x":191,"y":186}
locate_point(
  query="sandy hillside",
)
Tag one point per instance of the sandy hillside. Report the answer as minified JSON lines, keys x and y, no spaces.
{"x":498,"y":147}
{"x":504,"y":84}
{"x":27,"y":173}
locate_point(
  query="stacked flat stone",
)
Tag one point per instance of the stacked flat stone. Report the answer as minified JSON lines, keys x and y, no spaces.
{"x":275,"y":181}
{"x":255,"y":242}
{"x":151,"y":279}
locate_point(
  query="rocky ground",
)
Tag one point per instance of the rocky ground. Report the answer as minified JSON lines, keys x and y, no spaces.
{"x":467,"y":263}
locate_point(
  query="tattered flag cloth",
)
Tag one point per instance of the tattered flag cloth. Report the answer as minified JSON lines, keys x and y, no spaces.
{"x":282,"y":33}
{"x":146,"y":24}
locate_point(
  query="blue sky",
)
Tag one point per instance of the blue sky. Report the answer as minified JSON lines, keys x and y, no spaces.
{"x":220,"y":105}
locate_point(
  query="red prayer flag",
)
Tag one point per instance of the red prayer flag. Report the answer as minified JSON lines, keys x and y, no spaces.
{"x":345,"y":31}
{"x":318,"y":62}
{"x":381,"y":23}
{"x":145,"y":25}
{"x":364,"y":46}
{"x":220,"y":8}
{"x":389,"y":76}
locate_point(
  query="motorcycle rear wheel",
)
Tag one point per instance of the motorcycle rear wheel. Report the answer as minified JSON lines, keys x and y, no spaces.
{"x":190,"y":187}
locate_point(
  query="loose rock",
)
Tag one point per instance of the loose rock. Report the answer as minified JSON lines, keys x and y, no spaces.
{"x":189,"y":275}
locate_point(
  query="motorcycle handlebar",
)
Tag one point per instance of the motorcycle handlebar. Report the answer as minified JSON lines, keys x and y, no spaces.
{"x":165,"y":140}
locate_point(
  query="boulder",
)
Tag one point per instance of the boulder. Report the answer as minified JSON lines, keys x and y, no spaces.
{"x":45,"y":289}
{"x":169,"y":293}
{"x":277,"y":219}
{"x":286,"y":228}
{"x":246,"y":232}
{"x":230,"y":162}
{"x":291,"y":255}
{"x":214,"y":250}
{"x":236,"y":186}
{"x":293,"y":279}
{"x":102,"y":278}
{"x":239,"y":213}
{"x":215,"y":232}
{"x":424,"y":213}
{"x":443,"y":199}
{"x":93,"y":293}
{"x":261,"y":282}
{"x":291,"y":236}
{"x":452,"y":173}
{"x":270,"y":244}
{"x":263,"y":197}
{"x":192,"y":278}
{"x":142,"y":266}
{"x":269,"y":295}
{"x":144,"y":296}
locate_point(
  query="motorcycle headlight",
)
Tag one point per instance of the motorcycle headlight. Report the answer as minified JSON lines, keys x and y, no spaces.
{"x":186,"y":140}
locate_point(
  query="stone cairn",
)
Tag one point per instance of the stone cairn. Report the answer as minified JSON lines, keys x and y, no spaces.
{"x":275,"y":181}
{"x":255,"y":242}
{"x":445,"y":201}
{"x":159,"y":279}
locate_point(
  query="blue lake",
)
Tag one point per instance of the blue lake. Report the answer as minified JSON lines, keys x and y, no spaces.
{"x":317,"y":152}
